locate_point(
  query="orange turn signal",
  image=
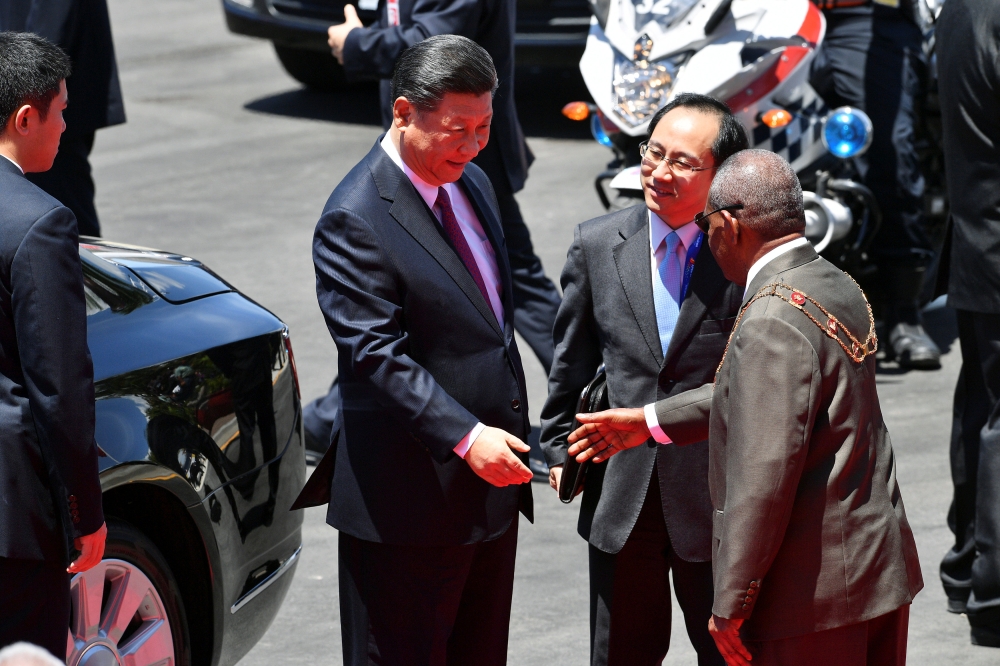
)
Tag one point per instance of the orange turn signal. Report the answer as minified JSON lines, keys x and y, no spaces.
{"x":576,"y":110}
{"x":776,"y":118}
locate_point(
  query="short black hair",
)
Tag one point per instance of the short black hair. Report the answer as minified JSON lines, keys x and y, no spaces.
{"x":732,"y":137}
{"x":31,"y":68}
{"x":439,"y":65}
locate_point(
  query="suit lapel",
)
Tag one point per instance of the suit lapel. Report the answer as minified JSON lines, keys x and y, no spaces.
{"x":411,"y":212}
{"x":635,"y":273}
{"x":494,"y":231}
{"x":706,"y":281}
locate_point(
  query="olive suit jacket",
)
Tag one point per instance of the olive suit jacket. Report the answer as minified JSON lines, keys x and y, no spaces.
{"x":809,"y":531}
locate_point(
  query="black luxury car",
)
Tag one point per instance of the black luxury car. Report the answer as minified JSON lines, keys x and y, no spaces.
{"x":200,"y":435}
{"x":549,"y":32}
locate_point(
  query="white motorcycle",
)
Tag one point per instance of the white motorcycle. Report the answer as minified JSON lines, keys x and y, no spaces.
{"x":752,"y":54}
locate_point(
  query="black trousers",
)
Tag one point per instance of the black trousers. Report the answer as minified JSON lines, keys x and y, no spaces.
{"x":880,"y":641}
{"x":70,"y":182}
{"x":34,"y":604}
{"x":970,"y":571}
{"x":876,"y":62}
{"x":630,"y":606}
{"x":426,"y":606}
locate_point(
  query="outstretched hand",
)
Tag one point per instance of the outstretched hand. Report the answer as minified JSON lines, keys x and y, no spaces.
{"x":492,"y":458}
{"x":603,"y":434}
{"x":726,"y":634}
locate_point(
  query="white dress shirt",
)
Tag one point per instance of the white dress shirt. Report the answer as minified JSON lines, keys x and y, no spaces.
{"x":650,"y":410}
{"x":478,"y":242}
{"x":12,"y":162}
{"x":771,"y":256}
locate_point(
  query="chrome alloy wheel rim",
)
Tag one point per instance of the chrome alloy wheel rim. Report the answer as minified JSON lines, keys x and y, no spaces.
{"x":118,"y":619}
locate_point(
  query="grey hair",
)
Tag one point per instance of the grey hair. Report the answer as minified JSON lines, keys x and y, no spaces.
{"x":26,"y":654}
{"x":439,"y":65}
{"x":768,"y":188}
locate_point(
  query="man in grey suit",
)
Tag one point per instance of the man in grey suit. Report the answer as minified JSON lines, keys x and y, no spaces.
{"x":642,"y":299}
{"x":813,"y":559}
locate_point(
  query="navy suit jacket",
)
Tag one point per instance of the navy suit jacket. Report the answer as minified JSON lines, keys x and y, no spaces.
{"x":422,"y":359}
{"x":49,"y":487}
{"x":372,"y":52}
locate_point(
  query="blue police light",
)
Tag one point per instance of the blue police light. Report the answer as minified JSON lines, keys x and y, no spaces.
{"x":598,"y":131}
{"x":847,"y":132}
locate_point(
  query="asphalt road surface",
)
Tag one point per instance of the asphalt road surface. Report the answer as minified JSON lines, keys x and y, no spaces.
{"x":226,"y":158}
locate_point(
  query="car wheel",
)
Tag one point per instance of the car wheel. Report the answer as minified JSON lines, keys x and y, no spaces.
{"x":315,"y":69}
{"x":127,"y":609}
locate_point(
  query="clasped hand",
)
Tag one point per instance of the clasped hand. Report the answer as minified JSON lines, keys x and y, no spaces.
{"x":491,"y":457}
{"x":603,"y":434}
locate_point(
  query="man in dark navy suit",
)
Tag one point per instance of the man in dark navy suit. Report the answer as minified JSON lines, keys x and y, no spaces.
{"x":50,"y":495}
{"x":372,"y":52}
{"x":81,"y":28}
{"x":413,"y":279}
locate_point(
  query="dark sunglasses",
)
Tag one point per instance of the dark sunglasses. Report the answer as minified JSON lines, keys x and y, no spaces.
{"x":701,"y":219}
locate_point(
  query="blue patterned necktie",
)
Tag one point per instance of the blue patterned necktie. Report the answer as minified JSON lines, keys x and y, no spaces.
{"x":667,"y":288}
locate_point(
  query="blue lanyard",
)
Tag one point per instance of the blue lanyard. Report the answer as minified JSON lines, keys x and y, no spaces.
{"x":692,"y":254}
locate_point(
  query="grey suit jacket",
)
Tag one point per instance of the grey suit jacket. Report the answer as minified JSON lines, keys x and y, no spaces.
{"x":809,"y":531}
{"x":607,"y":314}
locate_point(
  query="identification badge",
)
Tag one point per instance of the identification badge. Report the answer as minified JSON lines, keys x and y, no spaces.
{"x":392,"y":11}
{"x":888,"y":3}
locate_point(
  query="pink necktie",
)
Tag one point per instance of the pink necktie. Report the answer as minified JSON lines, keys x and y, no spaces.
{"x":457,"y":238}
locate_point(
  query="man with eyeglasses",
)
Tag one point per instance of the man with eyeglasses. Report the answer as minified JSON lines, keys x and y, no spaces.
{"x":642,"y":296}
{"x":814,"y":561}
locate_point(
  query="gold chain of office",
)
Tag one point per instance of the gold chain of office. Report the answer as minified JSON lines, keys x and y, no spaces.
{"x":833,"y":329}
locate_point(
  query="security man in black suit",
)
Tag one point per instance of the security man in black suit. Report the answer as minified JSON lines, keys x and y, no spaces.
{"x":872,"y":58}
{"x":50,"y":495}
{"x":969,"y":67}
{"x":81,"y":28}
{"x":430,"y":465}
{"x":644,"y":296}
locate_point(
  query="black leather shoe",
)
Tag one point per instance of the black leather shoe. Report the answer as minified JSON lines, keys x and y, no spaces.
{"x":986,"y":628}
{"x":910,"y":345}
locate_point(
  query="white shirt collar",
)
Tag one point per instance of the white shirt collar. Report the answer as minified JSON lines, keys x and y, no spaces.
{"x":12,"y":162}
{"x":427,"y":192}
{"x":771,"y":256}
{"x":658,"y":230}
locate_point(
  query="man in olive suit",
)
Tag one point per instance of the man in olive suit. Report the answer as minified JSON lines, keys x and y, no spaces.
{"x":813,"y":559}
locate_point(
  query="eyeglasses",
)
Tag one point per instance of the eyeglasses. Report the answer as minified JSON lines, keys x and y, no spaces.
{"x":654,"y":158}
{"x":701,"y":219}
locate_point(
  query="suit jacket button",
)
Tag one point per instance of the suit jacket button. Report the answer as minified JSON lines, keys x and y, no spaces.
{"x":515,"y":404}
{"x":748,"y":600}
{"x":746,"y":607}
{"x":754,"y":584}
{"x":72,"y":498}
{"x":76,"y":519}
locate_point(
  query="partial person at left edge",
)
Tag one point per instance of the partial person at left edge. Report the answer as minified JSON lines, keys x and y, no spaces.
{"x":82,"y":29}
{"x":50,"y":494}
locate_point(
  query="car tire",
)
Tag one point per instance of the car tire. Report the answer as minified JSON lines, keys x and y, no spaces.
{"x":316,"y":70}
{"x":136,"y":586}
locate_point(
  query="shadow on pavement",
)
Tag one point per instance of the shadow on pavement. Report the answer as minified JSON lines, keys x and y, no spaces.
{"x":540,"y":95}
{"x":356,"y":105}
